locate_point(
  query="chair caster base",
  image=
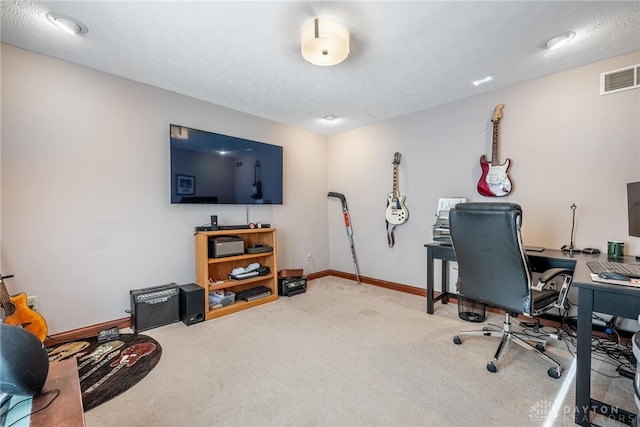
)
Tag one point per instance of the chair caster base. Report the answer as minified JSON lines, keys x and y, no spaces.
{"x":457,"y":340}
{"x":491,"y":367}
{"x":540,"y":347}
{"x":553,"y":373}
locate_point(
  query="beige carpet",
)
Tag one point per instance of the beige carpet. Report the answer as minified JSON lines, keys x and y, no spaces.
{"x":344,"y":354}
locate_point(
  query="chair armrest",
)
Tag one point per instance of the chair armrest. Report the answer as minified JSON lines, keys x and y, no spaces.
{"x":552,"y":273}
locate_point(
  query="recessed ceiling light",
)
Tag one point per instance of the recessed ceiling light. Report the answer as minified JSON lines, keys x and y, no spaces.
{"x":558,"y":41}
{"x":482,"y":81}
{"x":67,"y":23}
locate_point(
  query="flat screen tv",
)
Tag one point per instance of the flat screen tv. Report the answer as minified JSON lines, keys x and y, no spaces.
{"x":211,"y":168}
{"x":633,"y":202}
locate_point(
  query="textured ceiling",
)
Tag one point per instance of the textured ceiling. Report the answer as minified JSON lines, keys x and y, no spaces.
{"x":405,"y":56}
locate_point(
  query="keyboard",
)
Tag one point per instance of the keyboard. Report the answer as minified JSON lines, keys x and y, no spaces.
{"x":629,"y":270}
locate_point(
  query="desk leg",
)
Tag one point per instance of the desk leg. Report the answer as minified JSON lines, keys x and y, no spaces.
{"x":583,"y":356}
{"x":431,"y":299}
{"x":445,"y":281}
{"x":430,"y":308}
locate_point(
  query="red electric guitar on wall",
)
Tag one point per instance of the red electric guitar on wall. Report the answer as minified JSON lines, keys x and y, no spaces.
{"x":494,"y":181}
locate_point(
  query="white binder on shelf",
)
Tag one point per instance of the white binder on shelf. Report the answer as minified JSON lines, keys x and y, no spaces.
{"x":446,"y":203}
{"x":441,"y":227}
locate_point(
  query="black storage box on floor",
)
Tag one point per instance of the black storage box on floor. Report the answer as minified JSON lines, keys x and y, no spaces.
{"x":289,"y":286}
{"x":471,"y":310}
{"x":155,"y":306}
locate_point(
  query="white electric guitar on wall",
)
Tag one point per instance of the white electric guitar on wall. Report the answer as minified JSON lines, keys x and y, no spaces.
{"x":396,"y":212}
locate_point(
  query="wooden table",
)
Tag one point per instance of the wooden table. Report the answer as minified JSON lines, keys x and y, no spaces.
{"x":66,"y":410}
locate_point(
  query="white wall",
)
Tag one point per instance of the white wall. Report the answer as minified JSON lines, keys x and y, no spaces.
{"x":567,"y":144}
{"x":86,"y":214}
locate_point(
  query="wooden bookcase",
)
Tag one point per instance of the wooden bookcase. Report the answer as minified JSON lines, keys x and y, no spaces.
{"x":219,"y":268}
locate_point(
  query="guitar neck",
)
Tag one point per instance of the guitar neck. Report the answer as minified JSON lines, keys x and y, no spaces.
{"x":396,"y":193}
{"x":494,"y":145}
{"x":5,"y":299}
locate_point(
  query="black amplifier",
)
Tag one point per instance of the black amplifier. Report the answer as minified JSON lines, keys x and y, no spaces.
{"x":290,"y":286}
{"x":155,"y":306}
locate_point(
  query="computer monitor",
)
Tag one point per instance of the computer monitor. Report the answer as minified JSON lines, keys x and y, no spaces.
{"x":633,"y":201}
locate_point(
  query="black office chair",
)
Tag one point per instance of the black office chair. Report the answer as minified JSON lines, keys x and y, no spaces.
{"x":494,"y":270}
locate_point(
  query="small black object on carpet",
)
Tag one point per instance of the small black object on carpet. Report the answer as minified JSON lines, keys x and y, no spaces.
{"x":107,"y":370}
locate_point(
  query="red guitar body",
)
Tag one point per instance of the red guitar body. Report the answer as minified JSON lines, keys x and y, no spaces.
{"x":494,"y":181}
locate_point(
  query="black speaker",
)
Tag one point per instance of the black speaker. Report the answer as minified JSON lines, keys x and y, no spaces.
{"x":191,"y":304}
{"x":153,"y":307}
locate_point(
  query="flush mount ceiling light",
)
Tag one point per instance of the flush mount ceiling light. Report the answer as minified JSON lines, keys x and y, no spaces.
{"x":67,"y":23}
{"x":558,"y":41}
{"x":329,"y":118}
{"x":324,"y":42}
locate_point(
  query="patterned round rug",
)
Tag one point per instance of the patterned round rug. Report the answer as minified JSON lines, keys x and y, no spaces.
{"x":111,"y":368}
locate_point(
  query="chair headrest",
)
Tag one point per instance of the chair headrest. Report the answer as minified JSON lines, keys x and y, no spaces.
{"x":488,"y":206}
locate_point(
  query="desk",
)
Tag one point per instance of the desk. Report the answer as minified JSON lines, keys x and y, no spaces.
{"x":622,"y":301}
{"x":540,"y":261}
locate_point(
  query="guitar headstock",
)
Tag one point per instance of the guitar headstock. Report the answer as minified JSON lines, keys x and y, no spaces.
{"x":497,"y":113}
{"x":396,"y":158}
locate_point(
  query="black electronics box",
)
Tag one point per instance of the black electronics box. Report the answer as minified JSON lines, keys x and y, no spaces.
{"x":222,"y":246}
{"x":257,"y":249}
{"x":290,"y":286}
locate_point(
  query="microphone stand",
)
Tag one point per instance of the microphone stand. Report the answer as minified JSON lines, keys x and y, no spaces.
{"x":571,"y":247}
